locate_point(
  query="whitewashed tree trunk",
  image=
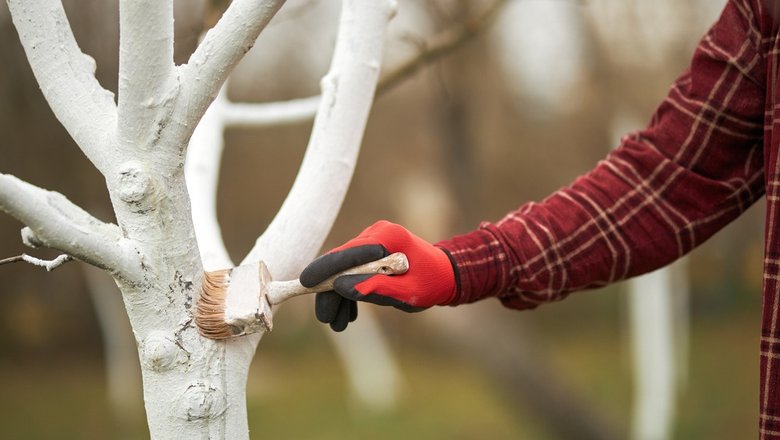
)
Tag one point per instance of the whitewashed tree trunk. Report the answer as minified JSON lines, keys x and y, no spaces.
{"x":651,"y":312}
{"x":193,"y":387}
{"x":658,"y":329}
{"x":364,"y":352}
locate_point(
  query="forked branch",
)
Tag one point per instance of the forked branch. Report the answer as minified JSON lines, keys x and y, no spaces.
{"x":239,"y":114}
{"x":319,"y":188}
{"x":221,"y":49}
{"x":147,"y":76}
{"x":57,"y":223}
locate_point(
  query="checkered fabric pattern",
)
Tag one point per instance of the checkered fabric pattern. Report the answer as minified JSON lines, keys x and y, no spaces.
{"x":709,"y":152}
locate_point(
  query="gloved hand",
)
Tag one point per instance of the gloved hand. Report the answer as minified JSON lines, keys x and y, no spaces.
{"x":430,"y":280}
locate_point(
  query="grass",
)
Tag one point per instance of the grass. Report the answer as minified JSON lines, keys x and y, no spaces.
{"x":297,"y":390}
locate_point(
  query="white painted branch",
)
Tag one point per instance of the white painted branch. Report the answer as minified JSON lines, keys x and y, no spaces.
{"x":374,"y":378}
{"x":240,"y":114}
{"x":300,"y":110}
{"x":193,"y":387}
{"x":201,"y":170}
{"x":204,"y":155}
{"x":49,"y":265}
{"x":58,"y":223}
{"x":66,"y":75}
{"x":147,"y":77}
{"x":307,"y":215}
{"x":221,"y":49}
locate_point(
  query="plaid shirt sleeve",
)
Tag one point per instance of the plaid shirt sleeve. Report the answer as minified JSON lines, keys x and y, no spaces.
{"x":665,"y":190}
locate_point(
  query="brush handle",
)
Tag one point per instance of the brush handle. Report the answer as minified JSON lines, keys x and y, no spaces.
{"x":394,"y":264}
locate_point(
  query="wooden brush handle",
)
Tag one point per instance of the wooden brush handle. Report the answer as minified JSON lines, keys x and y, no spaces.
{"x":394,"y":264}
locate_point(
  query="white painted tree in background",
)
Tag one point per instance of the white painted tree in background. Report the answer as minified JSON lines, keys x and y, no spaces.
{"x":193,"y":387}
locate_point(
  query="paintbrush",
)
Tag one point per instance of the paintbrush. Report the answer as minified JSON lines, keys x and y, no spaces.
{"x":225,"y":310}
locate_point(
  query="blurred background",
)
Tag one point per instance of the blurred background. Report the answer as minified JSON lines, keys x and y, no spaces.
{"x":535,"y":98}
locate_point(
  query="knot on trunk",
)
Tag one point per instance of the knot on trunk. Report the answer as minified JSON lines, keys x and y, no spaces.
{"x":201,"y":401}
{"x":137,"y":187}
{"x":160,"y":352}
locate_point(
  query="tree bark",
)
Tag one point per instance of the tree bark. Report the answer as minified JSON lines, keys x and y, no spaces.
{"x":193,"y":387}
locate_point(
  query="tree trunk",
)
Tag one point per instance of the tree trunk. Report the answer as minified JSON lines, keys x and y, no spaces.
{"x":193,"y":387}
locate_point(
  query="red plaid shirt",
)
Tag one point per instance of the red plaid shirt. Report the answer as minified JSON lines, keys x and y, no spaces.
{"x":709,"y":152}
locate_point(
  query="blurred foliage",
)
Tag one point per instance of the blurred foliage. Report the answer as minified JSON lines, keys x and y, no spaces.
{"x":297,"y":390}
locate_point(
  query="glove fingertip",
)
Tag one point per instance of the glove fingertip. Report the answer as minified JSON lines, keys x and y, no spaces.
{"x":338,"y":327}
{"x":326,"y":306}
{"x":315,"y":272}
{"x":353,"y":311}
{"x":342,"y":317}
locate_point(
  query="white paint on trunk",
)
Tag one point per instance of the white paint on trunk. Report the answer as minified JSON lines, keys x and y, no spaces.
{"x":193,"y":387}
{"x":202,"y":170}
{"x":324,"y":176}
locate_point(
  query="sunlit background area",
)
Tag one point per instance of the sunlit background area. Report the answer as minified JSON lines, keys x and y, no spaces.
{"x":536,"y":94}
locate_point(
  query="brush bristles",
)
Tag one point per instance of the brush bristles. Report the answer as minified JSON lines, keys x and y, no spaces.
{"x":210,"y":310}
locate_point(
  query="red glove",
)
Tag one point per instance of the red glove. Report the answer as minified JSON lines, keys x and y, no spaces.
{"x":430,"y":280}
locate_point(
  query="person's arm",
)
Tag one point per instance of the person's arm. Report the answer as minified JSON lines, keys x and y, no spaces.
{"x":664,"y":191}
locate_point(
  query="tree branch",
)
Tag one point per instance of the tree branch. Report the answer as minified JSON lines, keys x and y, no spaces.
{"x":204,"y":155}
{"x":443,"y":43}
{"x":49,"y":265}
{"x":201,"y":169}
{"x":66,"y":75}
{"x":147,"y":80}
{"x":221,"y":49}
{"x":57,"y":223}
{"x":303,"y":109}
{"x":273,"y":113}
{"x":207,"y":143}
{"x":321,"y":184}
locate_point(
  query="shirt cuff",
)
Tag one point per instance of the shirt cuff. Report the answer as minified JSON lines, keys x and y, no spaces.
{"x":478,"y":259}
{"x":483,"y":268}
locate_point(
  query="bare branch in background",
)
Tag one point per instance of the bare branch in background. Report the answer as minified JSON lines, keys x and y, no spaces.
{"x":237,"y":114}
{"x":441,"y":44}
